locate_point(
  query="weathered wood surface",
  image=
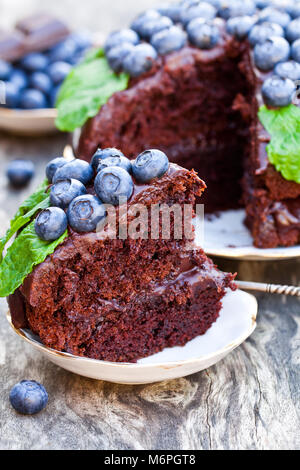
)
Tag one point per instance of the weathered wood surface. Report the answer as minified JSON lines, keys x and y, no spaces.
{"x":250,"y":400}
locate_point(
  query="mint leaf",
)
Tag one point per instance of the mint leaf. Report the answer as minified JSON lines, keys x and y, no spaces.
{"x":38,"y":200}
{"x":86,"y":89}
{"x":283,"y":150}
{"x":27,"y":251}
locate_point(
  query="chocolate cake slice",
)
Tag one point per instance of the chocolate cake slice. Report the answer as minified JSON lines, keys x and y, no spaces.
{"x":199,"y":100}
{"x":123,"y":298}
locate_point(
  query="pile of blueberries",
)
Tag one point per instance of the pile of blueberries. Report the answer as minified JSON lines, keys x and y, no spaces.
{"x":72,"y":203}
{"x":34,"y":81}
{"x":272,"y":27}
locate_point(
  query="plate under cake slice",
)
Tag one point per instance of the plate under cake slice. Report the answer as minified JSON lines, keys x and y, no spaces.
{"x":124,"y":298}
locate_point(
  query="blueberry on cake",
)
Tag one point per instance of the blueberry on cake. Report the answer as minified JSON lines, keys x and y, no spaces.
{"x":214,"y":84}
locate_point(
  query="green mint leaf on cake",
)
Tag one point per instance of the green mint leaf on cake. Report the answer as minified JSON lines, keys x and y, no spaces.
{"x":27,"y":251}
{"x":86,"y":89}
{"x":38,"y":200}
{"x":283,"y":150}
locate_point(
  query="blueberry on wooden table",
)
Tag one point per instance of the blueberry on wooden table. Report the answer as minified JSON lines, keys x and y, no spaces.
{"x":20,"y":172}
{"x":28,"y":397}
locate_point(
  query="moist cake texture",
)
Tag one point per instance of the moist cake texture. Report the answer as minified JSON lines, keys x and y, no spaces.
{"x":120,"y":300}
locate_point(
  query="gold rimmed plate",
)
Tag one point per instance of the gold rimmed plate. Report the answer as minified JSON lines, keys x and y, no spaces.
{"x":31,"y":122}
{"x":235,"y":324}
{"x":226,"y":235}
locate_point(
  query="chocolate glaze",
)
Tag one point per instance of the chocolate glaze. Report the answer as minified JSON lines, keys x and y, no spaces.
{"x":124,"y":299}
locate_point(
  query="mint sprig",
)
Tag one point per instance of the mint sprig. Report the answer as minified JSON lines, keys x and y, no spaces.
{"x":26,"y":252}
{"x":38,"y":200}
{"x":283,"y":151}
{"x":86,"y":89}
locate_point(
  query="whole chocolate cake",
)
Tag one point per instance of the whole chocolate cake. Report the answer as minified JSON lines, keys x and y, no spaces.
{"x":200,"y":73}
{"x":120,"y":297}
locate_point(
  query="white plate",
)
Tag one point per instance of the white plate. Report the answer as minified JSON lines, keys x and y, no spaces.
{"x":29,"y":122}
{"x":226,"y":235}
{"x":236,"y":322}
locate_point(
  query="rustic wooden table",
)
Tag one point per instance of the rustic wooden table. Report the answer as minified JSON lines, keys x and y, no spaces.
{"x":250,"y":400}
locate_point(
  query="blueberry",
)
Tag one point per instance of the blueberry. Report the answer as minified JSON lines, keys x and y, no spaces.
{"x":76,"y":169}
{"x":28,"y":397}
{"x":113,"y":183}
{"x":292,"y":31}
{"x":35,"y":62}
{"x":153,"y":26}
{"x":140,"y":60}
{"x":263,"y":31}
{"x":58,"y":71}
{"x":231,"y":8}
{"x":295,"y":50}
{"x":272,"y":15}
{"x":119,"y":161}
{"x":41,"y":81}
{"x":203,"y":34}
{"x":12,"y":95}
{"x":63,"y":192}
{"x":82,"y":39}
{"x":50,"y":223}
{"x":202,"y":10}
{"x":172,"y":10}
{"x":5,"y":70}
{"x":63,"y":51}
{"x":20,"y":172}
{"x":239,"y":26}
{"x":85,"y":213}
{"x":53,"y":165}
{"x":290,"y":69}
{"x":53,"y":95}
{"x":261,"y":4}
{"x":295,"y":10}
{"x":169,"y":40}
{"x":33,"y":99}
{"x":138,"y":23}
{"x":19,"y":78}
{"x":277,"y":91}
{"x":149,"y":165}
{"x":269,"y":53}
{"x":120,"y":37}
{"x":102,"y":154}
{"x":116,"y":55}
